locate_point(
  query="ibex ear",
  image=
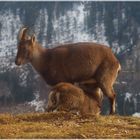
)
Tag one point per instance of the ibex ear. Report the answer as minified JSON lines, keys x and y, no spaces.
{"x":33,"y":39}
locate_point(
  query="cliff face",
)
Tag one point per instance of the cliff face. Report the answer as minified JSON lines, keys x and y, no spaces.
{"x":116,"y":24}
{"x":129,"y":80}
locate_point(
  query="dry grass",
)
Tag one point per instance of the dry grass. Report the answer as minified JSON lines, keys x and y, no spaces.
{"x":67,"y":125}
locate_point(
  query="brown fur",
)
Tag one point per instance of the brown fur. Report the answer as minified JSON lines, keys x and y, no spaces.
{"x":71,"y":63}
{"x":91,"y":88}
{"x":67,"y":97}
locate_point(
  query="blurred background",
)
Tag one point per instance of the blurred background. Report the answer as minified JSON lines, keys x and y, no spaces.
{"x":116,"y":24}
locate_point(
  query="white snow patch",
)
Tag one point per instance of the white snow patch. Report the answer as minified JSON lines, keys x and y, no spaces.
{"x":135,"y":103}
{"x":42,"y":21}
{"x":38,"y":104}
{"x":10,"y":25}
{"x":124,"y":82}
{"x":115,"y":22}
{"x":128,"y":96}
{"x":123,"y":15}
{"x":136,"y":114}
{"x":72,"y":27}
{"x":115,"y":47}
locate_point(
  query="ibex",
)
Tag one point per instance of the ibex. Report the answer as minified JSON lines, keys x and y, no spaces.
{"x":68,"y":97}
{"x":71,"y":63}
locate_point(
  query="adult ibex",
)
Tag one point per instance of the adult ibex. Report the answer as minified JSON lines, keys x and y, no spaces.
{"x":68,"y":97}
{"x":71,"y":63}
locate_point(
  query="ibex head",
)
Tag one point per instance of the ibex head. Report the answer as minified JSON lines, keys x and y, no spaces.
{"x":25,"y":47}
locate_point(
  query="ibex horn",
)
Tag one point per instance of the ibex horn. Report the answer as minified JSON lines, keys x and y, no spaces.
{"x":22,"y":34}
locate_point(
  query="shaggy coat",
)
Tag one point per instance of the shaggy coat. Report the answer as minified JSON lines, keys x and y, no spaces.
{"x":67,"y":97}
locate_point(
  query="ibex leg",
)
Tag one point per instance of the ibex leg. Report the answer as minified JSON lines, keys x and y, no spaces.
{"x":109,"y":92}
{"x":106,"y":78}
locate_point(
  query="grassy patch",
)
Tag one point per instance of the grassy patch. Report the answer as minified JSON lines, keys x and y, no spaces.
{"x":67,"y":125}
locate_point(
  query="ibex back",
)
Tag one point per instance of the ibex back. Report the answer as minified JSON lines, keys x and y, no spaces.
{"x":71,"y":63}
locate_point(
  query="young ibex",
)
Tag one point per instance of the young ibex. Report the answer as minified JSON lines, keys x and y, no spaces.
{"x":71,"y":63}
{"x":67,"y":97}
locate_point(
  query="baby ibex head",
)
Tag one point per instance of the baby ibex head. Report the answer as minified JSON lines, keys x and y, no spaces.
{"x":25,"y":47}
